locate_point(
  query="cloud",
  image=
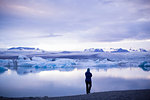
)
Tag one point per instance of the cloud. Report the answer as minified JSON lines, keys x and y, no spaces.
{"x":47,"y":36}
{"x":32,"y":9}
{"x":75,"y":20}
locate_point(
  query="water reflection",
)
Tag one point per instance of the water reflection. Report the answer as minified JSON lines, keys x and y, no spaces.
{"x":116,"y":69}
{"x":2,"y":70}
{"x":72,"y":82}
{"x":145,"y":66}
{"x":27,"y":70}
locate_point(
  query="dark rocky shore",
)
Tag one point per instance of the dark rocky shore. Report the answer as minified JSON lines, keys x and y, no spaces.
{"x":111,"y":95}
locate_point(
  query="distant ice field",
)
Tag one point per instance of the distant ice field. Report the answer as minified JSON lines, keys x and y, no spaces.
{"x":39,"y":61}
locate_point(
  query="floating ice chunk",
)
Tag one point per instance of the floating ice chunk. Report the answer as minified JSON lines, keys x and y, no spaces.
{"x":6,"y":62}
{"x":65,"y":62}
{"x":62,"y":63}
{"x":23,"y":57}
{"x":86,"y":63}
{"x":57,"y":63}
{"x":106,"y":63}
{"x":38,"y":59}
{"x":96,"y":63}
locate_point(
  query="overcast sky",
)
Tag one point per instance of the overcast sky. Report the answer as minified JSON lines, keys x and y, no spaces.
{"x":75,"y":24}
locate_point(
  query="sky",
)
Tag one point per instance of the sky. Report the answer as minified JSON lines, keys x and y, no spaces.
{"x":75,"y":24}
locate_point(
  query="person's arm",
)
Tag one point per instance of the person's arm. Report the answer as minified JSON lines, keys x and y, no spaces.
{"x":91,"y":74}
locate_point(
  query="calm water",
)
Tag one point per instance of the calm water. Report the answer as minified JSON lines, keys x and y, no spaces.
{"x":72,"y":82}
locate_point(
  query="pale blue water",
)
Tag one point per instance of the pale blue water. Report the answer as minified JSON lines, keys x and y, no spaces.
{"x":71,"y":81}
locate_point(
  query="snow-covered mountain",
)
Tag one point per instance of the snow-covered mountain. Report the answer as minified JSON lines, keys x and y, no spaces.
{"x":93,"y":50}
{"x":119,"y":50}
{"x":133,"y":50}
{"x":138,"y":50}
{"x":115,"y":50}
{"x":112,"y":50}
{"x":23,"y":48}
{"x":142,"y":50}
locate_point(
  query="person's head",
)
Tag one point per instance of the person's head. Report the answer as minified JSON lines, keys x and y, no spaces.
{"x":88,"y":70}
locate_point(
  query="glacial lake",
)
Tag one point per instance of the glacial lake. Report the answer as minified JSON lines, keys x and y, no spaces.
{"x":66,"y":82}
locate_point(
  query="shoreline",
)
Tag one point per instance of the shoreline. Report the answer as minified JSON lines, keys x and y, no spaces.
{"x":142,"y":94}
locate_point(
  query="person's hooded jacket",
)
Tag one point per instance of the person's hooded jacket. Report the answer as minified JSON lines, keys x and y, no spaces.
{"x":88,"y":75}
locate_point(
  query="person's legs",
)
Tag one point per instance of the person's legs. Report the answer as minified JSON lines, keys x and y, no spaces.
{"x":90,"y":85}
{"x":87,"y":90}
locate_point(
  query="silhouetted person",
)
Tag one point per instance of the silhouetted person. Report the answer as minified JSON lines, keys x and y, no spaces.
{"x":88,"y":81}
